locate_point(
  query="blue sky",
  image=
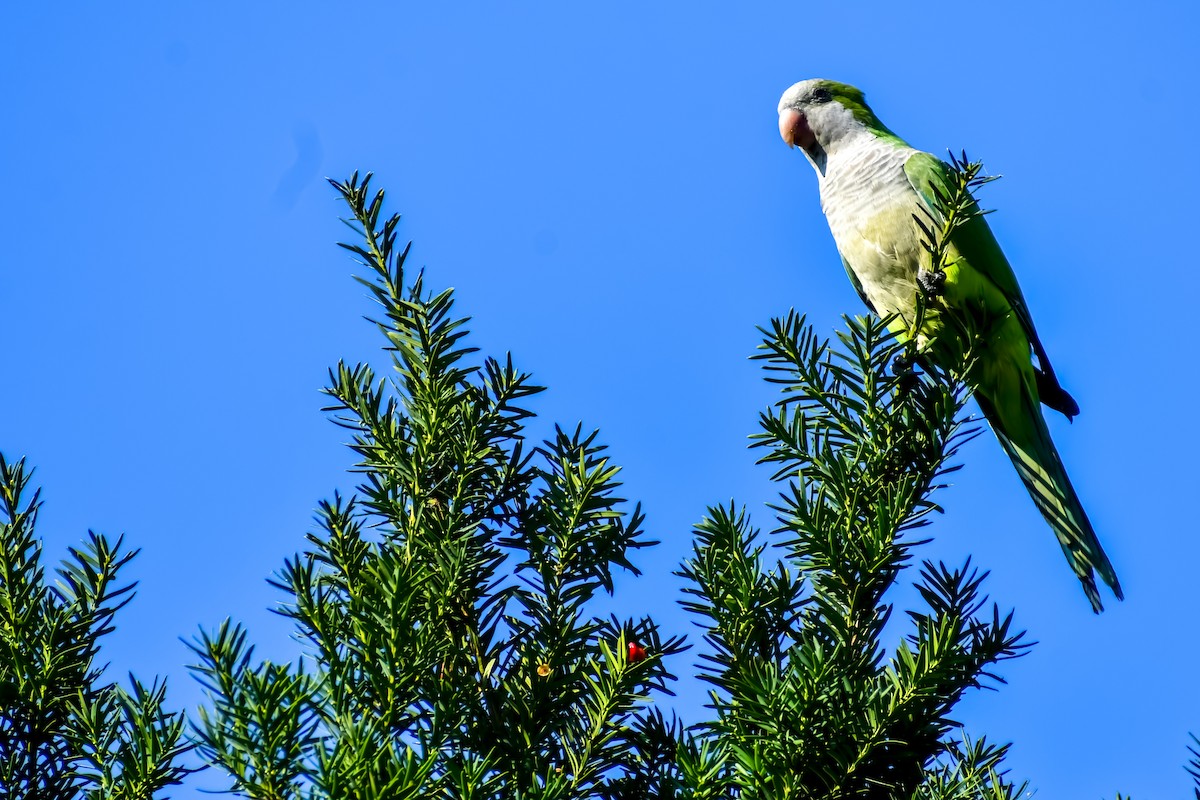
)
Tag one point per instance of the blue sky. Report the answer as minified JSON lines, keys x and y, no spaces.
{"x":606,"y":189}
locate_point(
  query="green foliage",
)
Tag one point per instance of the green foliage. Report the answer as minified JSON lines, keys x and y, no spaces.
{"x":449,"y":650}
{"x":64,"y":732}
{"x":809,"y":702}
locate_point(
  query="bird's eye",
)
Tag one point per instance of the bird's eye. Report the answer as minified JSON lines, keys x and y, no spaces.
{"x":821,"y":96}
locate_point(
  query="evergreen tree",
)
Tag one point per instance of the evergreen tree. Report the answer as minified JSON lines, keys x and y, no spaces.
{"x":449,"y":650}
{"x":809,"y":701}
{"x":65,"y":732}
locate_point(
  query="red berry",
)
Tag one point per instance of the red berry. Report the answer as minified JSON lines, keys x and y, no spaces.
{"x":636,"y":652}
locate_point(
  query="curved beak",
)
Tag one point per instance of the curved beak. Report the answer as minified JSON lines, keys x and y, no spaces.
{"x":793,"y":127}
{"x":789,"y":118}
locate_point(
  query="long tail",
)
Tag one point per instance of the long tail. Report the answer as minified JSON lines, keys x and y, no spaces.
{"x":1019,"y":425}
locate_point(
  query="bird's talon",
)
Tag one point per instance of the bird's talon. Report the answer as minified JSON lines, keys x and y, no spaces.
{"x":931,"y":281}
{"x":903,"y":367}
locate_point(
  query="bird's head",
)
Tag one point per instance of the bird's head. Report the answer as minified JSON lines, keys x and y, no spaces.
{"x":816,"y":115}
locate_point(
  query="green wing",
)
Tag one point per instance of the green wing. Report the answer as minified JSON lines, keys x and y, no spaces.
{"x":976,"y":243}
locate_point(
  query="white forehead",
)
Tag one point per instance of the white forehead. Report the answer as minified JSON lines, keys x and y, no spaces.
{"x":796,"y":91}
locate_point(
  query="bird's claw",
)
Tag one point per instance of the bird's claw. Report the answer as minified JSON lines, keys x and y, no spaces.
{"x":904,"y":368}
{"x":931,"y":281}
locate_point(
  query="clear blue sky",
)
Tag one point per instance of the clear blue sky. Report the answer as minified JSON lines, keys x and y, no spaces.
{"x":607,"y":190}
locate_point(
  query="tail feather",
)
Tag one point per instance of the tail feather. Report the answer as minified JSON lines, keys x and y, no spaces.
{"x":1024,"y":436}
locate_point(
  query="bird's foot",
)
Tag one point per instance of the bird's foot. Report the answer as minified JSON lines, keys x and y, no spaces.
{"x":903,"y":369}
{"x":931,"y":281}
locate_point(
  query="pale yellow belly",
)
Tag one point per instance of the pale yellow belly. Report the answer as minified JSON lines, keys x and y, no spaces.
{"x":869,"y":204}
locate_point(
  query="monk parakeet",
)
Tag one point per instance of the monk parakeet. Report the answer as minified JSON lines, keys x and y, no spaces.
{"x":874,"y":187}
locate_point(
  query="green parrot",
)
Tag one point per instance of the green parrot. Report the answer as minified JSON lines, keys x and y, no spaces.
{"x":873,"y":188}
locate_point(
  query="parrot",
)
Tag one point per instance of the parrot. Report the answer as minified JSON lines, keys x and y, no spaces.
{"x":875,"y":189}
